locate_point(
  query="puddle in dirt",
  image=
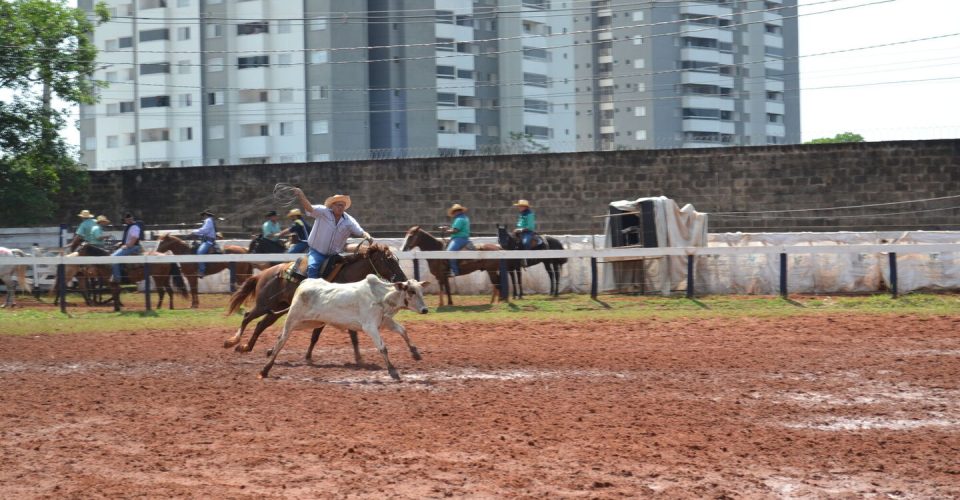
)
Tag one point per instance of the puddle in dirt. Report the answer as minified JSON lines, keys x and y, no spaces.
{"x":858,"y":424}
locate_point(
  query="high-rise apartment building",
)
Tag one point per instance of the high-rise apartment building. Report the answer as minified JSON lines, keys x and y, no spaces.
{"x":207,"y":82}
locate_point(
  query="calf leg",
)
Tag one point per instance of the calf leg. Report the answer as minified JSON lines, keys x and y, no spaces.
{"x":356,"y":347}
{"x":391,"y":324}
{"x":288,"y":327}
{"x":374,"y":332}
{"x":10,"y":292}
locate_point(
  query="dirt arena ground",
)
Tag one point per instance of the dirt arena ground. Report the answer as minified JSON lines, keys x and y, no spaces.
{"x":835,"y":405}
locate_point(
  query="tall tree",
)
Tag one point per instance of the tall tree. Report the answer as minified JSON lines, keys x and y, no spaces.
{"x":46,"y":51}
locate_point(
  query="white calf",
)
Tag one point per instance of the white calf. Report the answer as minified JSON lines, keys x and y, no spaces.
{"x":9,"y":272}
{"x":366,"y":305}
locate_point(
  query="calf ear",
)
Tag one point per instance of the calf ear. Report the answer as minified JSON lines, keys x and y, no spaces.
{"x":400,"y":286}
{"x":424,"y":283}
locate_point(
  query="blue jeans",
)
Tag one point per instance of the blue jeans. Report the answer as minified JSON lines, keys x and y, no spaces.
{"x":203,"y":250}
{"x":118,"y":268}
{"x":314,"y":261}
{"x":525,"y":238}
{"x":298,"y":247}
{"x":454,"y":245}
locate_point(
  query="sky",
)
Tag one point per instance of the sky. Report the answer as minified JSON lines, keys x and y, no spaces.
{"x":855,"y":91}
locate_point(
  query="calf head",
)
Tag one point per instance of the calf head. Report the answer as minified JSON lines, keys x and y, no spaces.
{"x":411,"y":292}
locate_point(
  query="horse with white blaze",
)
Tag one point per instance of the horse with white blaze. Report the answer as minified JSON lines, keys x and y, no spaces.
{"x":367,"y":305}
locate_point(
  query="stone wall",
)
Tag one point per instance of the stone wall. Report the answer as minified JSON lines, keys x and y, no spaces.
{"x":569,"y":190}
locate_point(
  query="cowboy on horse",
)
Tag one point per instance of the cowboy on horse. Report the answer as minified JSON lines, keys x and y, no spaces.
{"x":459,"y":232}
{"x":526,"y":226}
{"x":129,"y":243}
{"x":208,"y":238}
{"x":299,"y":230}
{"x":331,"y":229}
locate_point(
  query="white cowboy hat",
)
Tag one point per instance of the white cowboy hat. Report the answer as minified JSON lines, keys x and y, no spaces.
{"x":522,"y":203}
{"x":295,"y":212}
{"x":337,"y":198}
{"x":456,"y":207}
{"x":102,"y":219}
{"x":85,"y":214}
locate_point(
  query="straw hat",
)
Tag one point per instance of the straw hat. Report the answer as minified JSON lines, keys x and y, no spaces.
{"x":522,"y":203}
{"x":337,"y":198}
{"x":294,"y":213}
{"x":85,"y":214}
{"x":102,"y":219}
{"x":456,"y":208}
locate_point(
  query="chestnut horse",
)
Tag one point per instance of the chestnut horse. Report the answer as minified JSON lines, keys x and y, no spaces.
{"x":242,"y":270}
{"x":274,"y":292}
{"x":440,"y":268}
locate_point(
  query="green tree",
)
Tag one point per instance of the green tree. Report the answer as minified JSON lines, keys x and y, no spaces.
{"x":520,"y":142}
{"x":844,"y":137}
{"x":45,"y":52}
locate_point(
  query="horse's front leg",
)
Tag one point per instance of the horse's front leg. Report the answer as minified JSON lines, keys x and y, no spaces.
{"x":10,"y":292}
{"x":391,"y":324}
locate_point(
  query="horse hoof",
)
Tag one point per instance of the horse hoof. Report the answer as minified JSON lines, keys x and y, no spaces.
{"x":269,"y":352}
{"x":228,"y":344}
{"x":415,"y":353}
{"x":393,"y":374}
{"x":261,"y":376}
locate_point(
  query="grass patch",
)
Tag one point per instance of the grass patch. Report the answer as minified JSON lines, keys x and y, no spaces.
{"x":37,"y":318}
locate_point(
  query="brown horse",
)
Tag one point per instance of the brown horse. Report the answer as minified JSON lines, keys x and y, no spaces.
{"x":274,"y":293}
{"x":162,"y":274}
{"x":242,"y":270}
{"x":440,"y":268}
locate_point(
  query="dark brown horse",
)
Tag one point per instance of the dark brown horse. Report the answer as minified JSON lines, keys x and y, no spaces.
{"x":440,"y":268}
{"x":242,"y":270}
{"x":511,"y":241}
{"x":162,"y":273}
{"x":274,"y":292}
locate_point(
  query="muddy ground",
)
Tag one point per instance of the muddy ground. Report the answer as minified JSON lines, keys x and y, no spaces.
{"x":820,"y":405}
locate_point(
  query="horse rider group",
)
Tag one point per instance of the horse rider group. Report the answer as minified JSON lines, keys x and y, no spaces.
{"x":459,"y":230}
{"x":327,"y":237}
{"x":298,"y":231}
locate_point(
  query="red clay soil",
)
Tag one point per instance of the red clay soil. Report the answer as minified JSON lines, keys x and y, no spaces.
{"x":840,"y":406}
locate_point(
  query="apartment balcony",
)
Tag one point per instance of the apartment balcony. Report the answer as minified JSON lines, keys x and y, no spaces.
{"x":777,"y":108}
{"x":605,"y":82}
{"x":777,"y":129}
{"x":774,"y":85}
{"x":457,"y":141}
{"x":607,"y":106}
{"x":706,"y":125}
{"x":771,"y":40}
{"x":708,"y":102}
{"x":703,"y":78}
{"x":604,"y":35}
{"x":773,"y":17}
{"x":606,"y":126}
{"x":604,"y":56}
{"x":605,"y":12}
{"x":704,"y":9}
{"x":705,"y":55}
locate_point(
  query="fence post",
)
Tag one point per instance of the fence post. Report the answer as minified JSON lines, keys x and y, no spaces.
{"x":146,"y":283}
{"x":893,"y":274}
{"x":783,"y":275}
{"x":233,"y":276}
{"x":690,"y":276}
{"x":62,"y":287}
{"x":593,"y":278}
{"x":416,"y":269}
{"x":504,"y":281}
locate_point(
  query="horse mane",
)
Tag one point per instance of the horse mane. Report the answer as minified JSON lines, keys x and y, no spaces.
{"x":366,"y":251}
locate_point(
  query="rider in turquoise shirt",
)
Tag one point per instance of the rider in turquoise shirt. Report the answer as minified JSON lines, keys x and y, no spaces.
{"x":459,"y":231}
{"x":526,"y":223}
{"x":95,"y":236}
{"x":271,"y":227}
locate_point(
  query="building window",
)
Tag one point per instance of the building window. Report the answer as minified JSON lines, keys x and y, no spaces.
{"x":538,"y":132}
{"x":157,"y":34}
{"x":536,"y":54}
{"x":125,"y":42}
{"x":253,"y":62}
{"x":253,"y":28}
{"x":445,"y":17}
{"x":154,"y":134}
{"x":183,"y":33}
{"x":255,"y":130}
{"x":215,"y":132}
{"x":318,"y":92}
{"x":319,"y":127}
{"x":445,"y":44}
{"x":215,"y":98}
{"x":126,"y":107}
{"x":446,"y":99}
{"x":214,"y":30}
{"x":318,"y":57}
{"x":446,"y":72}
{"x":536,"y":106}
{"x":536,"y":80}
{"x":466,"y":74}
{"x":154,"y":68}
{"x":152,"y":4}
{"x":774,"y":96}
{"x":185,"y":100}
{"x":774,"y":118}
{"x":186,"y":133}
{"x":286,"y":128}
{"x":640,"y":135}
{"x":160,"y":101}
{"x":113,"y":141}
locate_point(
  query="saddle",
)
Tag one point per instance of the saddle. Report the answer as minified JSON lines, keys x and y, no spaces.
{"x":196,"y":246}
{"x":296,"y":271}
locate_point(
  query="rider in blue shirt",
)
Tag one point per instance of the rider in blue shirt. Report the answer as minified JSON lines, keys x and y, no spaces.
{"x":459,"y":231}
{"x":208,"y":238}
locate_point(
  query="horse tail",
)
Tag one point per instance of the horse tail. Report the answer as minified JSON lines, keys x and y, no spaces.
{"x":554,"y":244}
{"x":249,"y":289}
{"x":178,"y":281}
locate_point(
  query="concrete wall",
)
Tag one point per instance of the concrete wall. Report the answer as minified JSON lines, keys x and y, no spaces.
{"x":568,"y":190}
